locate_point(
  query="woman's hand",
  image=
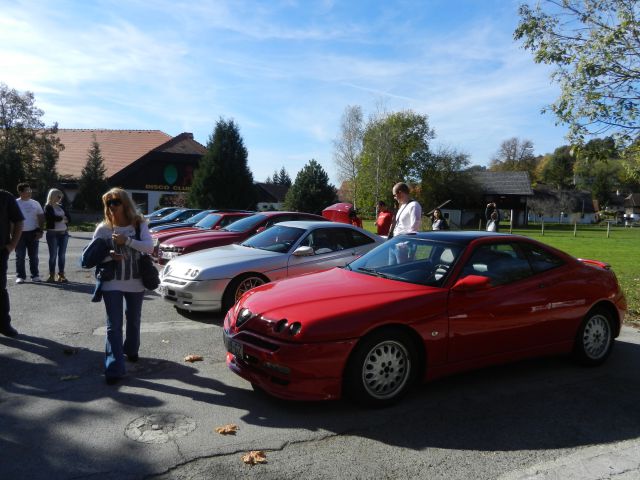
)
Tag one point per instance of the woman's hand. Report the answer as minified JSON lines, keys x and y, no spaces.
{"x":119,"y":239}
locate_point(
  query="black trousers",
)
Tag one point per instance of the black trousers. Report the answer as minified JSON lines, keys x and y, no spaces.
{"x":5,"y":318}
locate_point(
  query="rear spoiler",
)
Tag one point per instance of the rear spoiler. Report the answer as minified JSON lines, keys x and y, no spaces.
{"x":595,"y":263}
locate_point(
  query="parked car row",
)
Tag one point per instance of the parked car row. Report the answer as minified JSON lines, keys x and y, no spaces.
{"x":393,"y":313}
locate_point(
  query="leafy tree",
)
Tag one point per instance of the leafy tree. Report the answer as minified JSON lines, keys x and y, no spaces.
{"x":598,"y":168}
{"x":223,"y":178}
{"x":395,"y":149}
{"x":93,"y":180}
{"x":515,"y":155}
{"x":348,"y":149}
{"x":595,"y":48}
{"x":311,"y":192}
{"x":28,"y":149}
{"x":445,"y":177}
{"x":557,"y":169}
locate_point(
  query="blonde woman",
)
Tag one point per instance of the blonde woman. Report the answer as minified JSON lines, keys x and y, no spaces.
{"x":119,"y":229}
{"x":56,"y":219}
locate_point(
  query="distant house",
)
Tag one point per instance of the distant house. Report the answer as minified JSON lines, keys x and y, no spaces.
{"x":562,"y":206}
{"x":509,"y":191}
{"x":270,"y":196}
{"x":148,"y":164}
{"x":632,"y":207}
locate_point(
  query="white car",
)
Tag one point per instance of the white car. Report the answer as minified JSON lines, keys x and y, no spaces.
{"x":214,"y":279}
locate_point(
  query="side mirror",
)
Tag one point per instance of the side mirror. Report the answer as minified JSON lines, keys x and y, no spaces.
{"x":303,"y":252}
{"x":472,"y":283}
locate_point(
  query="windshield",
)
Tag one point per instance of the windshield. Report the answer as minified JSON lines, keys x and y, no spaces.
{"x":275,"y":239}
{"x":209,"y":221}
{"x":245,"y":224}
{"x":173,"y":215}
{"x":197,"y":217}
{"x":410,"y":259}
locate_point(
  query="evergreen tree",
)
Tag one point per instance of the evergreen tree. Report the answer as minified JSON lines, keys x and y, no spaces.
{"x":93,"y":180}
{"x":223,"y":178}
{"x":311,"y":192}
{"x":283,"y":178}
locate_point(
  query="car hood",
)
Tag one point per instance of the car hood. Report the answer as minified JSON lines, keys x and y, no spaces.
{"x":225,"y":262}
{"x":187,"y":240}
{"x":338,"y":304}
{"x":174,"y":232}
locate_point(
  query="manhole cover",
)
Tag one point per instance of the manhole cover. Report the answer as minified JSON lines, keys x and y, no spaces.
{"x":159,"y":427}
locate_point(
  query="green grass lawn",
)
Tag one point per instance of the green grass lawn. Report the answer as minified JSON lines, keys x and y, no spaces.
{"x":621,"y":250}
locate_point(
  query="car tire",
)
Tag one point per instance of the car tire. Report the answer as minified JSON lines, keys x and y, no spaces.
{"x":238,"y":286}
{"x":381,"y":368}
{"x":594,"y":340}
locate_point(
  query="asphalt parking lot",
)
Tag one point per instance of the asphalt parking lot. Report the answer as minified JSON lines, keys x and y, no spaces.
{"x":540,"y":419}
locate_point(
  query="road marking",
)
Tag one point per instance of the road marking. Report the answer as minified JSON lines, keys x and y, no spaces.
{"x":172,"y":326}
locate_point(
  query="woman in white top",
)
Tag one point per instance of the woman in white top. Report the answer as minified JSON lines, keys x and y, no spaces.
{"x":56,"y":218}
{"x":119,"y":229}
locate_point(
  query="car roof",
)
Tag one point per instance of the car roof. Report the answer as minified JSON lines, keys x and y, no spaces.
{"x":278,"y":212}
{"x":463,"y":236}
{"x":309,"y":224}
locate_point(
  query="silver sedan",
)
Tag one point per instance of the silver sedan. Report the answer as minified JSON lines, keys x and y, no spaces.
{"x":214,"y":279}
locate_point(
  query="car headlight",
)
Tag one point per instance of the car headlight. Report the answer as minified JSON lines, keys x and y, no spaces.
{"x":192,"y":272}
{"x":244,"y":315}
{"x":167,"y":269}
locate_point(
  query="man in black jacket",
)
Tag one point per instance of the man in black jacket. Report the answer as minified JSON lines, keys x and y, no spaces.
{"x":10,"y":229}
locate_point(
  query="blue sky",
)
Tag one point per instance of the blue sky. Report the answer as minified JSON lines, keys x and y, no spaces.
{"x":283,"y":70}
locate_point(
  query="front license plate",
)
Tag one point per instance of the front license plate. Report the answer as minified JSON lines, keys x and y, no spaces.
{"x":232,"y":346}
{"x":162,"y":290}
{"x":166,"y":255}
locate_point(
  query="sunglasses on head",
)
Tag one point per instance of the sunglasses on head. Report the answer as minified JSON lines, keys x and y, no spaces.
{"x":114,"y":202}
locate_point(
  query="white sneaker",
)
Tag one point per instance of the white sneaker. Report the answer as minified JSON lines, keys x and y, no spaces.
{"x":19,"y":280}
{"x":36,"y":279}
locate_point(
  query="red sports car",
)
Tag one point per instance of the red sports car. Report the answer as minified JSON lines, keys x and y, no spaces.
{"x":213,"y":221}
{"x":420,"y":307}
{"x":238,"y":231}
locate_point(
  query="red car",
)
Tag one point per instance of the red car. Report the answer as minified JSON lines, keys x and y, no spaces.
{"x":213,"y":221}
{"x":238,"y":231}
{"x":419,"y":307}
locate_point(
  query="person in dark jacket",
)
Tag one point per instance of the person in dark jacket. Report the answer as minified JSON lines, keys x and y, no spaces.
{"x":10,"y":229}
{"x":56,"y":218}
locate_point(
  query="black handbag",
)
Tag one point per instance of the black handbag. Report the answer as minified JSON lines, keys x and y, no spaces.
{"x":148,"y":271}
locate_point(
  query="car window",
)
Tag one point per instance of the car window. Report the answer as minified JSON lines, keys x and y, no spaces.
{"x":358,"y":239}
{"x":502,"y":263}
{"x":540,"y":259}
{"x":246,"y":223}
{"x":321,"y":240}
{"x":410,"y":259}
{"x":275,"y":239}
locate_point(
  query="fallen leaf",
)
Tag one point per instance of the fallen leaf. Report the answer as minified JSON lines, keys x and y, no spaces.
{"x":193,"y":358}
{"x":229,"y":429}
{"x":69,"y":377}
{"x":254,"y":457}
{"x":165,"y":341}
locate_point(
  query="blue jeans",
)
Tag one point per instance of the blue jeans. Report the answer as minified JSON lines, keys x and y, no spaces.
{"x":115,"y":349}
{"x":28,"y":244}
{"x":57,"y":242}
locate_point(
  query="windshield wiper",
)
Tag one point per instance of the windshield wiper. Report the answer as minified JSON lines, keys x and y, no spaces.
{"x":373,"y":271}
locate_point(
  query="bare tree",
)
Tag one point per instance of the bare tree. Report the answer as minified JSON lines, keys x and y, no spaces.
{"x":515,"y":155}
{"x":348,"y":148}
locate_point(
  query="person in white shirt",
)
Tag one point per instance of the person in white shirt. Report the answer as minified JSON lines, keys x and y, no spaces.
{"x":119,"y":228}
{"x":31,"y":234}
{"x":408,"y":218}
{"x":407,"y":221}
